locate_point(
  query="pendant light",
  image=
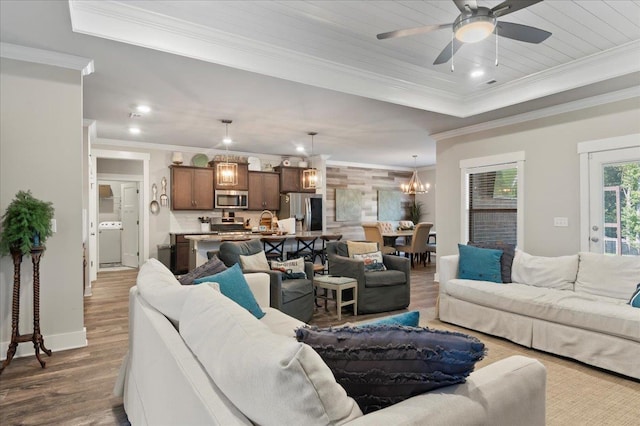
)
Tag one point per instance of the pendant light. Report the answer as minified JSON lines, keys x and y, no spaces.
{"x":311,"y":176}
{"x":226,"y":172}
{"x":414,"y":186}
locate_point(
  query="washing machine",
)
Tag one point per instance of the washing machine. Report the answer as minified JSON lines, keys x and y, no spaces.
{"x":109,"y":240}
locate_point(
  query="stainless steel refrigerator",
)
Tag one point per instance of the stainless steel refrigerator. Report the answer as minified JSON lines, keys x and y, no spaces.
{"x":305,"y":208}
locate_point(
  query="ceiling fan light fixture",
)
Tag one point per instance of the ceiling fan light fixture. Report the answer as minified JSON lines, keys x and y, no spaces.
{"x":474,"y":28}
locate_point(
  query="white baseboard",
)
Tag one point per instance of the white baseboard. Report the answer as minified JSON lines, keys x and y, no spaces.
{"x":436,"y":277}
{"x":53,"y":342}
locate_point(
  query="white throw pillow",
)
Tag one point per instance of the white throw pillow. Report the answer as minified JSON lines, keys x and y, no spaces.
{"x":292,"y":268}
{"x":553,"y":272}
{"x":606,"y":275}
{"x":372,"y":261}
{"x":272,"y":379}
{"x":162,"y":290}
{"x":254,"y":262}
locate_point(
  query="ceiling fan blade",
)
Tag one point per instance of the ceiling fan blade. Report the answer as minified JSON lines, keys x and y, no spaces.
{"x":412,"y":31}
{"x":473,"y":4}
{"x":521,"y":32}
{"x":511,"y":6}
{"x":446,"y":53}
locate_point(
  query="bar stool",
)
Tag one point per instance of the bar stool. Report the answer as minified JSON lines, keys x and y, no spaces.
{"x":273,"y":247}
{"x":305,"y":248}
{"x":325,"y":239}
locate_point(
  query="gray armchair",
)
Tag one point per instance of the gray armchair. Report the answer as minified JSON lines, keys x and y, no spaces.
{"x":293,"y":297}
{"x":378,"y":291}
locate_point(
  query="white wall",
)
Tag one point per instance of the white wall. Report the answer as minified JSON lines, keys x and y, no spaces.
{"x":551,"y":172}
{"x":41,"y":143}
{"x":428,"y":175}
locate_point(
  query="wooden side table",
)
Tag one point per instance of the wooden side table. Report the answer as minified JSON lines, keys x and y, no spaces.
{"x":35,"y":337}
{"x":337,"y":284}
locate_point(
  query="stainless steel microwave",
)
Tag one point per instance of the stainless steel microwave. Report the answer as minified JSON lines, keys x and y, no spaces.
{"x":230,"y":199}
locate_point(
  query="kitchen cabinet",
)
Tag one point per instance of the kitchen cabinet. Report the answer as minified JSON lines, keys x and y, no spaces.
{"x":264,"y":191}
{"x":191,"y":188}
{"x":180,"y":254}
{"x":291,"y":179}
{"x":243,"y":178}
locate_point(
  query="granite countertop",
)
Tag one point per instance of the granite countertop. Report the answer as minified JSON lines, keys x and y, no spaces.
{"x":216,"y":237}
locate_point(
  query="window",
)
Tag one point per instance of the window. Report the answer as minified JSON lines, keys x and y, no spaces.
{"x":492,"y":199}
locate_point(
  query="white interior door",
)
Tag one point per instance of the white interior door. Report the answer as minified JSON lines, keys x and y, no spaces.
{"x":93,"y":221}
{"x":130,"y":224}
{"x":614,"y":200}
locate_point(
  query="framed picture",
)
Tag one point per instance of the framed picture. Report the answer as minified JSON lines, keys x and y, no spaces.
{"x":348,"y":204}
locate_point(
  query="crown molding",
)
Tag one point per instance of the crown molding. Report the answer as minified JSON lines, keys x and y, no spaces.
{"x":46,"y":57}
{"x":620,"y":95}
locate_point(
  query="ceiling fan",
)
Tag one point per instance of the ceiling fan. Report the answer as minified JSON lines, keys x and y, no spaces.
{"x":475,"y":23}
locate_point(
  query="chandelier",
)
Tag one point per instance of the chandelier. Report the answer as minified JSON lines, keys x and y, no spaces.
{"x":311,"y":176}
{"x":414,"y":186}
{"x":226,"y":172}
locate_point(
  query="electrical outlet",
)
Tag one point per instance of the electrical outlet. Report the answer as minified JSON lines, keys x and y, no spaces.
{"x":561,"y":221}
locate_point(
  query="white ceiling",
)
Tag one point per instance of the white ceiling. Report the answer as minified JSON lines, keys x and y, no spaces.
{"x":281,"y":69}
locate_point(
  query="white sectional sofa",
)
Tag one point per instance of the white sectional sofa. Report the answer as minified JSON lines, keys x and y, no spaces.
{"x":192,"y":377}
{"x":574,"y":306}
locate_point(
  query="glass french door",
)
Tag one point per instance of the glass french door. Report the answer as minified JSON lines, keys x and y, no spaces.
{"x":614,"y":202}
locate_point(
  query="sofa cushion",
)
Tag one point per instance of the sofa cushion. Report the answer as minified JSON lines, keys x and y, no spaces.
{"x":383,"y":365}
{"x":254,"y":262}
{"x":408,"y":319}
{"x":295,"y":289}
{"x":233,"y":285}
{"x":635,"y":297}
{"x":291,"y":269}
{"x":230,"y":251}
{"x":372,"y":261}
{"x":506,"y":261}
{"x":606,"y":275}
{"x":161,"y":289}
{"x":479,"y":263}
{"x":384,"y":278}
{"x":359,"y":247}
{"x":552,"y":272}
{"x":589,"y":312}
{"x":213,"y":266}
{"x":270,"y":378}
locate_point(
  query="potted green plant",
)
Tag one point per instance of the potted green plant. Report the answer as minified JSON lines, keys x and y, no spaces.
{"x":25,"y":224}
{"x":415,"y":212}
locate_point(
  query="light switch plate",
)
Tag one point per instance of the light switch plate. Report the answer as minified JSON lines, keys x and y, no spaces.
{"x":54,"y":226}
{"x":561,"y":221}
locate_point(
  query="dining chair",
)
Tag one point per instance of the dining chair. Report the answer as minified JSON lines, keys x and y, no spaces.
{"x":373,"y":233}
{"x":418,"y":246}
{"x":431,"y":246}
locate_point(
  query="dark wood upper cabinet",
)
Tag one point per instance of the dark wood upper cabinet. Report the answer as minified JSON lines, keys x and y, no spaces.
{"x":264,"y":191}
{"x":291,"y":179}
{"x":191,"y":188}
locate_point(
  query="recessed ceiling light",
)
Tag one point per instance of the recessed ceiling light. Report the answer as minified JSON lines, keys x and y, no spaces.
{"x":300,"y":148}
{"x":143,"y":109}
{"x":477,"y":73}
{"x":134,"y":130}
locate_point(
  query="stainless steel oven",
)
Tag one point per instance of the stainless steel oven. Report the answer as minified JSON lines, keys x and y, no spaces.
{"x":230,"y":199}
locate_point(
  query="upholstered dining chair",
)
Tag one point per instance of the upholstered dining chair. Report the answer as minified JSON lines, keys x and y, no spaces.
{"x":431,"y":246}
{"x":418,"y":246}
{"x":373,"y":233}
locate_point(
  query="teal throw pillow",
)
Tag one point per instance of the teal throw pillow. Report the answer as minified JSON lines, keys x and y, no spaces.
{"x":407,"y":319}
{"x":234,"y":286}
{"x":635,"y":299}
{"x":479,"y":264}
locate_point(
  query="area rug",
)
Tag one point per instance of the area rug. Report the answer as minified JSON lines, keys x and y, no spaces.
{"x":577,"y":394}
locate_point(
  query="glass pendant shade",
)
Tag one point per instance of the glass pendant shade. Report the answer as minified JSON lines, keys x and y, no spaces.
{"x":310,"y":178}
{"x":414,"y":186}
{"x":226,"y":172}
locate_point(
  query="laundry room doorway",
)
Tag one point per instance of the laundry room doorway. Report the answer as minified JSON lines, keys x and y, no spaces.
{"x":130,"y":224}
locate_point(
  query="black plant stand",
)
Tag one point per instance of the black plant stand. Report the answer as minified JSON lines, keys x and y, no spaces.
{"x":35,"y":337}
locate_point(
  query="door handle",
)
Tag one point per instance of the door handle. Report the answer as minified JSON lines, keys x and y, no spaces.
{"x":595,"y":239}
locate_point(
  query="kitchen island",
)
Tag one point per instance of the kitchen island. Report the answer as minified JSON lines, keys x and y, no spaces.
{"x":201,"y":244}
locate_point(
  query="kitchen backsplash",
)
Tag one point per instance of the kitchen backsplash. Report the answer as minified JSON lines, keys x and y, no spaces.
{"x":188,"y":221}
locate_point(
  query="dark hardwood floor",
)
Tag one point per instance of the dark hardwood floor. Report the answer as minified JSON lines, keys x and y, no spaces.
{"x":76,"y":386}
